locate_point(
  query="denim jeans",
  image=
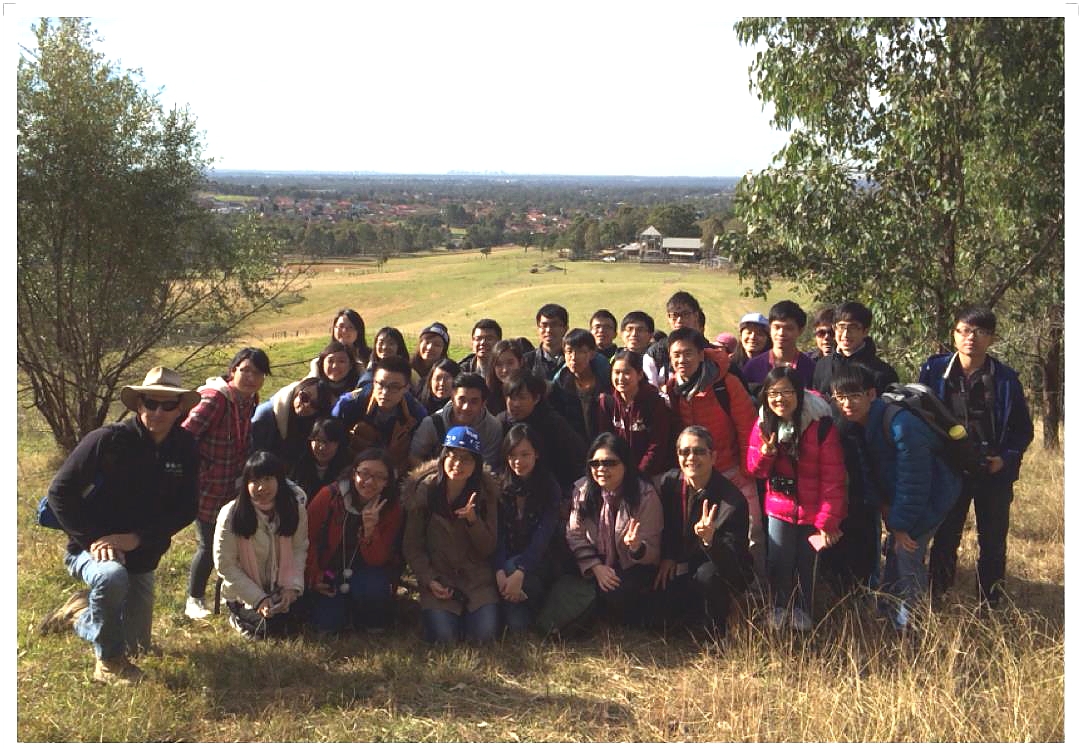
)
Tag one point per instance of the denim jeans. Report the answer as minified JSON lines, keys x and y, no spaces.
{"x":905,"y":579}
{"x":442,"y":626}
{"x":366,"y":605}
{"x":202,"y":560}
{"x":121,"y":606}
{"x":788,"y":551}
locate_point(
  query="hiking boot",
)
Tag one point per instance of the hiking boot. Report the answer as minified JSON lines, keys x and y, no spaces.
{"x":117,"y":670}
{"x":801,"y":621}
{"x":64,"y":617}
{"x":153,"y":650}
{"x":196,"y":609}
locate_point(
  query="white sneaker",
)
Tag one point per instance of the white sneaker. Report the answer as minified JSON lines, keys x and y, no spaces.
{"x":778,"y":618}
{"x":196,"y":609}
{"x":801,"y":621}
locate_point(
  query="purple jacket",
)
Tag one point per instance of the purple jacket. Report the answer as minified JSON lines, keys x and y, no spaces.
{"x":759,"y":366}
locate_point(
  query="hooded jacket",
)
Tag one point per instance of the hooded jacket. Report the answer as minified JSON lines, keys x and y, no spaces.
{"x":427,"y":440}
{"x":645,"y":424}
{"x":221,"y":423}
{"x":440,"y":546}
{"x":827,"y":367}
{"x":358,"y":410}
{"x":820,"y":499}
{"x":277,"y":429}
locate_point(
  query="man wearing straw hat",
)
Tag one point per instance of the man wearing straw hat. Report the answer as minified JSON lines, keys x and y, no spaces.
{"x":120,"y":496}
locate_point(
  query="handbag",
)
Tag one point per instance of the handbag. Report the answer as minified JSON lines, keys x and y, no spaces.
{"x":568,"y":606}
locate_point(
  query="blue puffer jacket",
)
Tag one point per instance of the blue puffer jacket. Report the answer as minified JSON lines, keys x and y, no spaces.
{"x":920,"y":488}
{"x":1012,"y":425}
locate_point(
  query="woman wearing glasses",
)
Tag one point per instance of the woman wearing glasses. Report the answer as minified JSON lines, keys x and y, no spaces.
{"x":353,"y":525}
{"x":614,"y":531}
{"x":795,"y":447}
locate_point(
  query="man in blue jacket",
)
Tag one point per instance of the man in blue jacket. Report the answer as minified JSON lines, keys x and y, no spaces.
{"x":986,"y":396}
{"x":915,"y":488}
{"x":121,"y":495}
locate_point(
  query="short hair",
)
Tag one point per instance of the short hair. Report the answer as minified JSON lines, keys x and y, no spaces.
{"x":788,"y":310}
{"x":688,"y":334}
{"x":603,"y":314}
{"x":487,"y":323}
{"x":525,"y":381}
{"x":977,"y":315}
{"x":552,"y":310}
{"x":852,"y":378}
{"x":697,"y":430}
{"x":640,"y":317}
{"x":853,"y":312}
{"x":258,"y":357}
{"x":825,"y":316}
{"x":683,"y":299}
{"x":470,"y":381}
{"x":399,"y":364}
{"x":579,"y":338}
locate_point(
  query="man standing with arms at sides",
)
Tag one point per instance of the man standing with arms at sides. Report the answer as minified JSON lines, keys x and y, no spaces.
{"x":787,"y":321}
{"x":121,"y":495}
{"x":545,"y":360}
{"x":986,"y":396}
{"x":852,"y":321}
{"x":486,"y":334}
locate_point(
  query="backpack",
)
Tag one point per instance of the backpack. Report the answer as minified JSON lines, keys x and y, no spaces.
{"x":957,"y":450}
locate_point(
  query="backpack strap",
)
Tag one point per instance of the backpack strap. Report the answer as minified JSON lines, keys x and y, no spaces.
{"x":441,"y":427}
{"x":825,"y":422}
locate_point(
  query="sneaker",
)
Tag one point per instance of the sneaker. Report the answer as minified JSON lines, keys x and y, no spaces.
{"x":239,"y":628}
{"x":196,"y":609}
{"x":117,"y":670}
{"x":778,"y":618}
{"x":64,"y":617}
{"x":801,"y":621}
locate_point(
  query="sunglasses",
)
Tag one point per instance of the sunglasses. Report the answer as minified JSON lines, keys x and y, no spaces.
{"x":824,"y":333}
{"x":684,"y":452}
{"x":153,"y":405}
{"x":603,"y":462}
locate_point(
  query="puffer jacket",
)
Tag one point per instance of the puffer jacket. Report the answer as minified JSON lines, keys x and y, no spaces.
{"x":645,"y":424}
{"x":730,"y":429}
{"x":820,"y":499}
{"x":442,"y":547}
{"x":919,"y":487}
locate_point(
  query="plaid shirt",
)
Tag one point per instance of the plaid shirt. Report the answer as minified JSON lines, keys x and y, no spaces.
{"x":221,"y":426}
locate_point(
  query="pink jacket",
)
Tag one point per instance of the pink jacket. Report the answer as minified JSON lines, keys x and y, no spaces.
{"x":820,"y":472}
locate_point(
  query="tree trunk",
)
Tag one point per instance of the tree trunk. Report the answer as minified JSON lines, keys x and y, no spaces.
{"x":1052,"y":387}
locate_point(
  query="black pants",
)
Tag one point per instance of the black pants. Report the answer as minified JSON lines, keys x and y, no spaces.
{"x":699,"y":597}
{"x":851,"y":561}
{"x":992,"y":506}
{"x":627,"y":604}
{"x":202,"y":560}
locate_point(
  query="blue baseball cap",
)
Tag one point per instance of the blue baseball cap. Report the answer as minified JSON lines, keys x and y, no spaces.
{"x":463,"y":437}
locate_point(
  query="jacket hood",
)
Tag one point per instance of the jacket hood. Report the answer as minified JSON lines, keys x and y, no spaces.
{"x":710,"y":373}
{"x":815,"y":408}
{"x":281,"y":404}
{"x":219,"y":384}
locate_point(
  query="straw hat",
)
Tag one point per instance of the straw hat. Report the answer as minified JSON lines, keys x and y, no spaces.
{"x":160,"y":384}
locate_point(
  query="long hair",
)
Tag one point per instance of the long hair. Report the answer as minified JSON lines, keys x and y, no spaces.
{"x":516,"y":435}
{"x":437,"y":499}
{"x":361,"y":349}
{"x":395,"y":335}
{"x":426,"y":397}
{"x":390,"y":489}
{"x":770,"y":419}
{"x":591,"y":506}
{"x":349,"y":382}
{"x":261,"y":464}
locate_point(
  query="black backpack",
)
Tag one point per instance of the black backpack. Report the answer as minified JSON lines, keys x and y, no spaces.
{"x":956,"y":449}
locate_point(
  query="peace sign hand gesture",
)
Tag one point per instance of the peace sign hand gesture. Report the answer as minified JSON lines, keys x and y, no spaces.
{"x":770,"y":444}
{"x":469,"y":512}
{"x":631,"y":535}
{"x":370,"y":516}
{"x":704,"y":528}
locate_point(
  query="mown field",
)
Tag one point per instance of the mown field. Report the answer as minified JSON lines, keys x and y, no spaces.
{"x":965,"y":677}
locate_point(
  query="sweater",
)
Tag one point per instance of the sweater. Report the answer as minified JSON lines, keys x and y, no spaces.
{"x":236,"y":584}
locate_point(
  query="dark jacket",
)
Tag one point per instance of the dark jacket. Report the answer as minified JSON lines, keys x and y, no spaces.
{"x":358,"y":410}
{"x":524,"y":544}
{"x":917,"y":485}
{"x":536,"y":362}
{"x":827,"y":366}
{"x":277,"y":428}
{"x":729,"y":547}
{"x":563,"y":451}
{"x":117,"y":480}
{"x":565,"y":397}
{"x":1012,"y":425}
{"x":646,"y":424}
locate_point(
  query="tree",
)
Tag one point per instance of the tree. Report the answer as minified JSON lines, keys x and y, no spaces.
{"x":115,"y":257}
{"x":674,"y":220}
{"x":924,"y":170}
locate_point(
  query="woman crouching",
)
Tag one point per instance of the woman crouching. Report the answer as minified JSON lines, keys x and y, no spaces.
{"x":450,"y":536}
{"x":260,"y":543}
{"x":353,"y":526}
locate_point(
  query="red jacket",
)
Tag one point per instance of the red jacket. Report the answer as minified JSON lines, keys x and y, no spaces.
{"x":326,"y":515}
{"x":731,"y":429}
{"x":820,"y":472}
{"x":645,"y":424}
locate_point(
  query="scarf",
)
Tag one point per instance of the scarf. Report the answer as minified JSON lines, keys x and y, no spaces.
{"x":250,"y":566}
{"x":606,"y":528}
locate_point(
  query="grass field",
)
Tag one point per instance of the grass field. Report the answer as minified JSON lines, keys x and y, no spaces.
{"x":965,"y":678}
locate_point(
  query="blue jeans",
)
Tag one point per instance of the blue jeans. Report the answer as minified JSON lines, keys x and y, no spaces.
{"x":788,"y":551}
{"x":905,"y":579}
{"x":481,"y":625}
{"x":121,"y":606}
{"x":367,"y":604}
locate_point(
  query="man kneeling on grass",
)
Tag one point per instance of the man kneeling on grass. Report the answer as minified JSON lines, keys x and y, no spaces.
{"x":120,"y":496}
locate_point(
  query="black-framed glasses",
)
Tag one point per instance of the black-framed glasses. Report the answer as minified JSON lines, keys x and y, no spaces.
{"x":152,"y":405}
{"x":603,"y":463}
{"x":366,"y":476}
{"x":390,"y":387}
{"x":848,"y":397}
{"x":772,"y":395}
{"x":966,"y":332}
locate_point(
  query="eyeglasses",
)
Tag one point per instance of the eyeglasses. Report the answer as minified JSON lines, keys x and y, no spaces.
{"x":390,"y":387}
{"x":773,"y":395}
{"x":603,"y":463}
{"x":484,"y":338}
{"x":841,"y":327}
{"x":461,"y":456}
{"x":679,"y":314}
{"x":365,"y":477}
{"x":848,"y":397}
{"x":823,"y":333}
{"x":966,"y":332}
{"x":153,"y":405}
{"x":684,"y":452}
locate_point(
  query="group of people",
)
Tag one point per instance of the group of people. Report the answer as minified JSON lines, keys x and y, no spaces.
{"x":549,"y":485}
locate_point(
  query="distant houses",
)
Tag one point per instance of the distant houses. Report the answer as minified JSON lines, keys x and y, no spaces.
{"x":653,"y":247}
